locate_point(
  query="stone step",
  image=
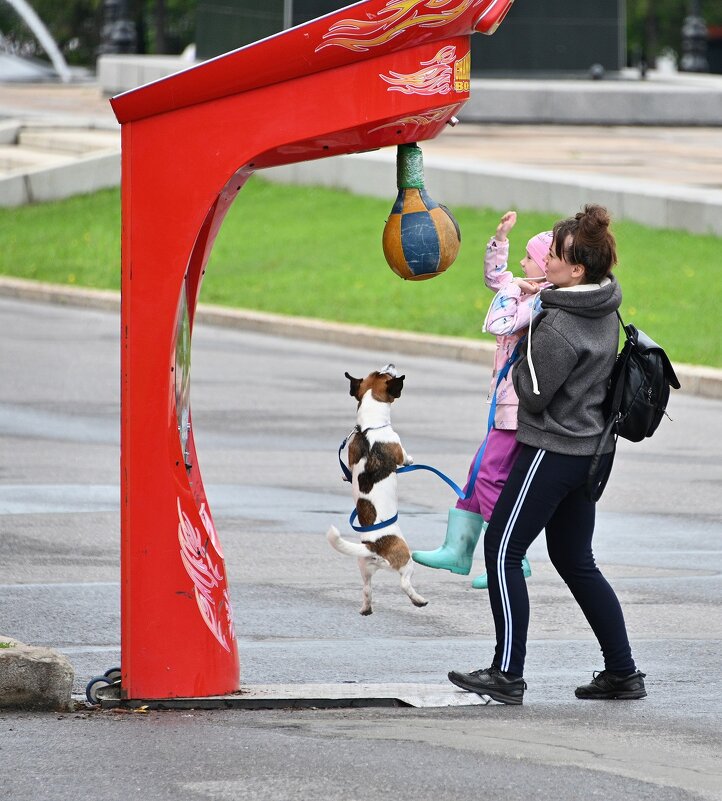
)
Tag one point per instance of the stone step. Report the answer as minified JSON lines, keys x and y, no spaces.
{"x":68,"y":140}
{"x":40,"y":163}
{"x":14,"y":158}
{"x":9,"y":131}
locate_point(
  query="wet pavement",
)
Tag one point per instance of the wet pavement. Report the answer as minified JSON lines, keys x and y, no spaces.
{"x":273,"y":482}
{"x":269,"y":414}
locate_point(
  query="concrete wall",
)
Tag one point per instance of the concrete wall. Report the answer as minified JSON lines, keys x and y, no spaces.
{"x":484,"y":184}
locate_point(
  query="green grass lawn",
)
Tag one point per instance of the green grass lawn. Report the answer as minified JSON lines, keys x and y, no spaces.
{"x":317,"y":253}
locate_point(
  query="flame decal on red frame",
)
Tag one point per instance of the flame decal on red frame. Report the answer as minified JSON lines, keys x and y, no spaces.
{"x":422,"y":120}
{"x":397,"y":17}
{"x":208,"y":580}
{"x":434,"y":79}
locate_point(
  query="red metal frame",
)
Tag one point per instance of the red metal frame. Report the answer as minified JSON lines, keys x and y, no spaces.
{"x":375,"y":74}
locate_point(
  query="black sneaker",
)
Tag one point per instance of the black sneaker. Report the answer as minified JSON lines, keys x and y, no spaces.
{"x":492,"y":682}
{"x":606,"y":685}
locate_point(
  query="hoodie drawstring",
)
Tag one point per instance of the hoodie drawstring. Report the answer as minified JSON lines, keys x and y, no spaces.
{"x":532,"y":371}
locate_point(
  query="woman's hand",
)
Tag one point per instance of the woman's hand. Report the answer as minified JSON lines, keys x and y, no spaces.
{"x":507,"y":222}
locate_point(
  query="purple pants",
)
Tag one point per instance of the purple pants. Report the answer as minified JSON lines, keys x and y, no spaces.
{"x":496,"y":463}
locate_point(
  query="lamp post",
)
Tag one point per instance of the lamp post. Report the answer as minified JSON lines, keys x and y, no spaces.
{"x":287,"y":14}
{"x":694,"y":41}
{"x":118,"y":34}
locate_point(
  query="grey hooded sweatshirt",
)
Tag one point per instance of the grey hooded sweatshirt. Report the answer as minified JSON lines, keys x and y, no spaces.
{"x":574,"y":342}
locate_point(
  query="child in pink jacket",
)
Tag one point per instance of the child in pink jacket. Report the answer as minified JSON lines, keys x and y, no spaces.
{"x":508,"y":318}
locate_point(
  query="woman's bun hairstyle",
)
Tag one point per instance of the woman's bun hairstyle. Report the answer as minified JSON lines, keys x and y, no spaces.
{"x":593,"y":244}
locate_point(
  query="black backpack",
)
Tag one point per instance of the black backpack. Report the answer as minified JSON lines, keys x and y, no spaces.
{"x":636,"y":400}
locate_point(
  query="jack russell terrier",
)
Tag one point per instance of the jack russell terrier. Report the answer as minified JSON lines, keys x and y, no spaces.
{"x":374,"y":453}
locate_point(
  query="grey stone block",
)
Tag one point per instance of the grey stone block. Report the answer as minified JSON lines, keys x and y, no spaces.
{"x":282,"y":175}
{"x":450,"y":187}
{"x":645,"y":208}
{"x":9,"y":132}
{"x":611,"y":102}
{"x":375,"y":178}
{"x":34,"y":678}
{"x":118,"y":73}
{"x":13,"y":191}
{"x":81,"y":176}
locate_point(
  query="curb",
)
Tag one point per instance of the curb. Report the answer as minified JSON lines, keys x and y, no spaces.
{"x":703,"y":382}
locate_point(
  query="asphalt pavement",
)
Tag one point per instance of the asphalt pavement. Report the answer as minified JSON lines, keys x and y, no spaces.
{"x":269,"y":413}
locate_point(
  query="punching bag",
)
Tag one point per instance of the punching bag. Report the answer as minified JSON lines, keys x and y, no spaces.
{"x":421,"y":238}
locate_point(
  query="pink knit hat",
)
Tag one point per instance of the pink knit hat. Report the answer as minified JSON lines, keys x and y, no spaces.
{"x":538,"y":248}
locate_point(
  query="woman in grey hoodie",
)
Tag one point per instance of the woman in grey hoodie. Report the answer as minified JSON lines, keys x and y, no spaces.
{"x":561,"y":392}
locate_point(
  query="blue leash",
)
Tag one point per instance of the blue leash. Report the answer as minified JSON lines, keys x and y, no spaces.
{"x":463,"y":494}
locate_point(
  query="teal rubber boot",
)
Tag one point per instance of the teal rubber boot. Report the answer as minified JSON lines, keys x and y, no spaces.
{"x":481,"y":582}
{"x":463,"y":530}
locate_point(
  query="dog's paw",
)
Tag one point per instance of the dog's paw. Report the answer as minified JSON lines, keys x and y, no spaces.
{"x":419,"y":603}
{"x":367,"y":611}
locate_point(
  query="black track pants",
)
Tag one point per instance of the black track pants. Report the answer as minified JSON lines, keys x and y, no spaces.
{"x":546,"y":491}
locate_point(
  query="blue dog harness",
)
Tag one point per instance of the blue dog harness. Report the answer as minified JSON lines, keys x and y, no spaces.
{"x":464,"y":494}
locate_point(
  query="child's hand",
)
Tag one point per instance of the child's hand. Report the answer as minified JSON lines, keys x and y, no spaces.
{"x":507,"y":222}
{"x":527,"y":287}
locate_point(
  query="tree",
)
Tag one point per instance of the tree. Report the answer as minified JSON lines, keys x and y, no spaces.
{"x":168,"y":26}
{"x":163,"y":26}
{"x":74,"y":24}
{"x":656,"y":25}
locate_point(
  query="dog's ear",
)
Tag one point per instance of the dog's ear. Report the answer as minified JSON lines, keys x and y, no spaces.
{"x":395,"y":385}
{"x":355,"y":384}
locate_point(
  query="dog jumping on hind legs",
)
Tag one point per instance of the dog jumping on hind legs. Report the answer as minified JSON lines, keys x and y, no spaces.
{"x":374,"y":453}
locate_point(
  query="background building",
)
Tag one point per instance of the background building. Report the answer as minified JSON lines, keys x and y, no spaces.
{"x":557,"y":36}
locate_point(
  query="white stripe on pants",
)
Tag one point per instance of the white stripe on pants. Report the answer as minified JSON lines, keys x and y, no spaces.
{"x":505,"y":601}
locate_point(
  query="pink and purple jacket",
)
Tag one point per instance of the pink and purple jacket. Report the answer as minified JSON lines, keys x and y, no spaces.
{"x":508,"y":319}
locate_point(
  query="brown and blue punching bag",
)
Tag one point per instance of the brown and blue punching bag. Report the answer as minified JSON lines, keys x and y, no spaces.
{"x":421,"y":238}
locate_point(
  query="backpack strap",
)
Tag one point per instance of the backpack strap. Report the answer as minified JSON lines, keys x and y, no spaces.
{"x":600,"y":467}
{"x":601,"y":464}
{"x":631,"y":334}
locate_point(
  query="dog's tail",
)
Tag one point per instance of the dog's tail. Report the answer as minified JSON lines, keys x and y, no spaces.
{"x":344,"y":546}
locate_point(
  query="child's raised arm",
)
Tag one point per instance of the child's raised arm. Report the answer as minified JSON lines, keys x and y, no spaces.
{"x":496,"y":271}
{"x":507,"y":222}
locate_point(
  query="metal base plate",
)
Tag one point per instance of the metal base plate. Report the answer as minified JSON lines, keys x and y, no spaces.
{"x":307,"y":696}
